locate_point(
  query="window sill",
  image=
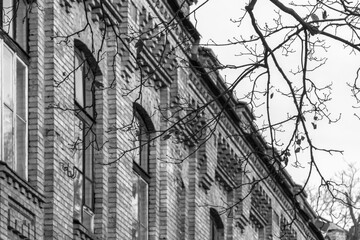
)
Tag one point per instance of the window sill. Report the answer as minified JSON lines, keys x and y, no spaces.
{"x":20,"y":185}
{"x":81,"y":233}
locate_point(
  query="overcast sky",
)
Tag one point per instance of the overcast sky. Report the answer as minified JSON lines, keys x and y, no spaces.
{"x":213,"y":23}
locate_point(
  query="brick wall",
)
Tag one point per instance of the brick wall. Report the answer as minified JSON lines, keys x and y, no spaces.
{"x":187,"y":176}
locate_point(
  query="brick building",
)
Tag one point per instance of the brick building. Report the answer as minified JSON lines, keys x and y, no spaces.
{"x":331,"y":231}
{"x":116,"y":125}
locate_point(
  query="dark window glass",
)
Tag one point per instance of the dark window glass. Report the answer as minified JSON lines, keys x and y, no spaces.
{"x":216,"y":226}
{"x":83,"y":143}
{"x":140,"y":179}
{"x":139,"y":208}
{"x":142,"y":138}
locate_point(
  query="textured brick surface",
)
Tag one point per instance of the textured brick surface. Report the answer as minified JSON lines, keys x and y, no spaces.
{"x":187,"y":177}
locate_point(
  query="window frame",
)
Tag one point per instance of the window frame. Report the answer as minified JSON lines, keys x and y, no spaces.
{"x":24,"y":41}
{"x":87,"y":68}
{"x":86,"y":117}
{"x":216,"y":226}
{"x":14,"y":109}
{"x":140,"y":168}
{"x":142,"y":134}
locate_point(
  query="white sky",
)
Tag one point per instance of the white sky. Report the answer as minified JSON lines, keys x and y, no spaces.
{"x":214,"y":23}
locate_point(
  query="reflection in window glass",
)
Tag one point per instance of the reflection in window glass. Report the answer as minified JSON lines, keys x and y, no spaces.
{"x":21,"y":146}
{"x":20,"y":89}
{"x":88,"y":193}
{"x":7,"y":78}
{"x":89,"y":149}
{"x":78,"y":195}
{"x":8,"y":16}
{"x":15,"y":20}
{"x":21,"y":23}
{"x":84,"y":78}
{"x":8,"y":136}
{"x":141,"y":144}
{"x":84,"y":137}
{"x":89,"y":89}
{"x":13,"y":111}
{"x":83,"y":161}
{"x":78,"y":140}
{"x":139,"y":208}
{"x":79,"y":94}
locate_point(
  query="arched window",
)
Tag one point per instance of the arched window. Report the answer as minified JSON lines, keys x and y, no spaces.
{"x":84,"y":129}
{"x":216,"y":226}
{"x":141,"y":155}
{"x":140,"y":178}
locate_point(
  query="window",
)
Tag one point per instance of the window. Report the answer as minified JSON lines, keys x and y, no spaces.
{"x":142,"y":138}
{"x":14,"y":124}
{"x":84,"y":137}
{"x":216,"y":226}
{"x":14,"y":20}
{"x":140,"y":180}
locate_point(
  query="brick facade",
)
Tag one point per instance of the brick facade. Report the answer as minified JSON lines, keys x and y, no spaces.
{"x":206,"y":164}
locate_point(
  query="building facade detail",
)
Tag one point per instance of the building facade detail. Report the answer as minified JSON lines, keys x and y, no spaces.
{"x":116,"y":124}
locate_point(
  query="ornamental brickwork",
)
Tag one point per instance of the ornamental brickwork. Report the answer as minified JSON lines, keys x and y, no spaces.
{"x":132,"y":134}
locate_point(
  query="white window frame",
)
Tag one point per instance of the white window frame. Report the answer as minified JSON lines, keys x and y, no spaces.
{"x":16,"y":156}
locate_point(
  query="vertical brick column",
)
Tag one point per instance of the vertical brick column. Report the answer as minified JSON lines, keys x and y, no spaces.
{"x":36,"y":88}
{"x":120,"y":169}
{"x":164,"y":171}
{"x":58,"y":221}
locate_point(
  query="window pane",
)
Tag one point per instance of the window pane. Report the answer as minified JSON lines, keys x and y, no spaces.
{"x":78,"y":195}
{"x":136,"y":152}
{"x":88,"y":193}
{"x":7,"y":77}
{"x":143,"y":208}
{"x":135,"y":132}
{"x":89,"y":78}
{"x":135,"y":207}
{"x":89,"y":156}
{"x":78,"y":144}
{"x":141,"y":143}
{"x":21,"y":24}
{"x":139,"y":208}
{"x":79,"y":86}
{"x":21,"y":163}
{"x":144,"y":148}
{"x":8,"y":137}
{"x":20,"y":90}
{"x":7,"y":17}
{"x":143,"y":232}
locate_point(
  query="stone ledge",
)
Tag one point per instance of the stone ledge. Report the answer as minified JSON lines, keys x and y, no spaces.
{"x":20,"y":185}
{"x":257,"y":218}
{"x":80,"y":232}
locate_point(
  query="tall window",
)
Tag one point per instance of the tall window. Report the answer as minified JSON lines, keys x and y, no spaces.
{"x":140,"y":180}
{"x":14,"y":20}
{"x":84,"y":138}
{"x":13,"y":97}
{"x":216,"y":226}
